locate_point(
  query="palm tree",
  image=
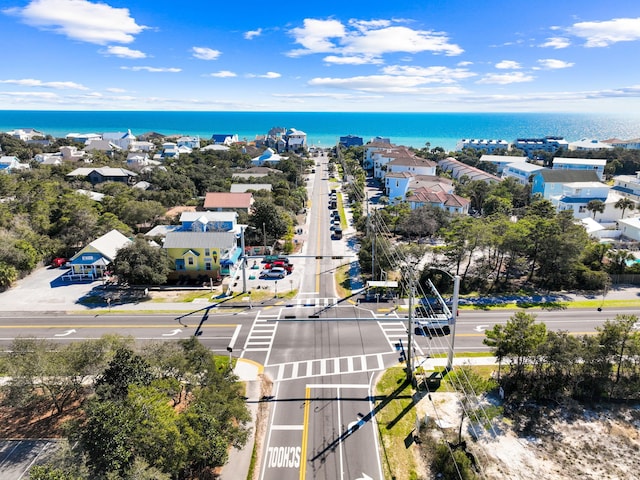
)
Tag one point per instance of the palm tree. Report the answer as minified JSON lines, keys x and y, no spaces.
{"x":625,"y":204}
{"x":618,"y":260}
{"x":595,"y":206}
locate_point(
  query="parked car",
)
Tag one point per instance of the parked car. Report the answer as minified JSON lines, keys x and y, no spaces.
{"x":428,"y":328}
{"x":58,"y":262}
{"x":279,"y":263}
{"x":275,"y":272}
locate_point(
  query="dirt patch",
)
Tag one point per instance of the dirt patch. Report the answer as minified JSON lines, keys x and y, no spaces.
{"x":585,"y":444}
{"x":37,"y":421}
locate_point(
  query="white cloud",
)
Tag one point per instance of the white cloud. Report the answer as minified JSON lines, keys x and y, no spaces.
{"x":505,"y":78}
{"x":508,"y":65}
{"x":115,"y":90}
{"x":554,"y":64}
{"x":366,"y":40}
{"x":204,"y":53}
{"x":80,"y":20}
{"x":352,"y":60}
{"x":124,"y":52}
{"x":464,"y":64}
{"x":41,"y":95}
{"x":153,"y":69}
{"x":335,"y":96}
{"x":608,"y":32}
{"x":32,"y":82}
{"x":251,"y":34}
{"x":223,"y":74}
{"x":386,"y":84}
{"x":556,"y":42}
{"x":430,"y":74}
{"x":315,"y":36}
{"x":266,"y":75}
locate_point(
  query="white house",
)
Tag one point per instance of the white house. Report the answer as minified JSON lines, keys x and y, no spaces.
{"x":501,"y":161}
{"x":627,"y":186}
{"x":630,"y":228}
{"x":296,"y":140}
{"x":25,"y":134}
{"x":11,"y":164}
{"x":371,"y":148}
{"x":550,"y":144}
{"x":521,"y":172}
{"x":597,"y":165}
{"x":589,"y":144}
{"x":121,"y":139}
{"x":268,"y":156}
{"x":189,"y":142}
{"x":83,"y":138}
{"x":575,"y":196}
{"x":413,"y":165}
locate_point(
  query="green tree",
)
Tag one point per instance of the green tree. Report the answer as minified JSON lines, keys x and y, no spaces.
{"x":595,"y":206}
{"x":8,"y":275}
{"x":125,"y":369}
{"x":42,"y":369}
{"x":517,"y":341}
{"x":618,"y":259}
{"x":140,"y":263}
{"x":625,"y":204}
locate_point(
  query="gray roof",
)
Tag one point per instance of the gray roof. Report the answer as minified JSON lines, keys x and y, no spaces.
{"x":566,"y":176}
{"x":224,"y":240}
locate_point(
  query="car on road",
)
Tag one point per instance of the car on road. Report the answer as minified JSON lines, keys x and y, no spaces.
{"x":432,"y":327}
{"x":275,"y":272}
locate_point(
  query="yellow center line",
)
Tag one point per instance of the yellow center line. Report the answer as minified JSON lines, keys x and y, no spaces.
{"x":305,"y":432}
{"x":115,"y":326}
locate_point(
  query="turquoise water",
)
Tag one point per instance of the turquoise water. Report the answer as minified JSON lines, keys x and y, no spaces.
{"x":324,"y":128}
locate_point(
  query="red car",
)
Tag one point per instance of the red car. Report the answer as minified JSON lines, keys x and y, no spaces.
{"x":58,"y":262}
{"x":279,"y":263}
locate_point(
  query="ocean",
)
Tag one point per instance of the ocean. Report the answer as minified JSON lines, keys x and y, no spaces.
{"x":324,"y":128}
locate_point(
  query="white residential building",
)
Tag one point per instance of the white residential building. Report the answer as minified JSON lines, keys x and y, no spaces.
{"x":501,"y":161}
{"x":189,"y":142}
{"x":547,"y":144}
{"x":596,"y":165}
{"x":576,"y":195}
{"x":521,"y":171}
{"x":630,"y":228}
{"x":627,"y":186}
{"x":589,"y":144}
{"x":488,"y":146}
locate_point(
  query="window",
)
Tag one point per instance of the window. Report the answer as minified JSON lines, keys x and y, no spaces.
{"x":207,"y":266}
{"x":190,"y":260}
{"x":206,"y":252}
{"x":582,"y":209}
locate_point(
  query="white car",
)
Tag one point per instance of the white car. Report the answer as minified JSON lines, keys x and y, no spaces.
{"x":275,"y":272}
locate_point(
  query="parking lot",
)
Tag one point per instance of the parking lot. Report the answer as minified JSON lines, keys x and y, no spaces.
{"x":17,"y":456}
{"x":44,"y":290}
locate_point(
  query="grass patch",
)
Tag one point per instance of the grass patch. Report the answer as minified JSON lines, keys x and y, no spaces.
{"x":343,"y":281}
{"x":396,"y":420}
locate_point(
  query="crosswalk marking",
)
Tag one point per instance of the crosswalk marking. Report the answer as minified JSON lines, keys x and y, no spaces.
{"x":262,"y":333}
{"x":329,"y":366}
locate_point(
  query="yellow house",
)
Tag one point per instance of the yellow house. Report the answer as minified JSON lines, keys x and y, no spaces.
{"x":208,"y":253}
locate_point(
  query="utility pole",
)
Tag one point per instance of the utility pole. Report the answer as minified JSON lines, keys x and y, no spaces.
{"x":372,"y":234}
{"x":410,"y":332}
{"x":244,"y":261}
{"x":454,"y":314}
{"x":264,"y":235}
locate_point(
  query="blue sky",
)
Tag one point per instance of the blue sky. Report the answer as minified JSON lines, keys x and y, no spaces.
{"x":408,"y":56}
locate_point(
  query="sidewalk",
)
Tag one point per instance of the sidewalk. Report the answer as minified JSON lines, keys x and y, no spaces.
{"x":239,"y":461}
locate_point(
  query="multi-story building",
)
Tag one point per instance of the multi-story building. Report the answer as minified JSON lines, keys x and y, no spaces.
{"x":548,"y":144}
{"x":487,"y":146}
